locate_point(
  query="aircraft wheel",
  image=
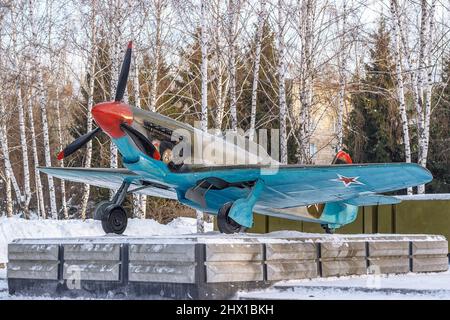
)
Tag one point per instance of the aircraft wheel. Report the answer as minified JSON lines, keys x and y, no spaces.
{"x":225,"y":223}
{"x":100,"y":209}
{"x":114,"y":219}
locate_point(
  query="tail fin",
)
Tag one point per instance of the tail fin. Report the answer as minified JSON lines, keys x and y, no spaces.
{"x":342,"y":157}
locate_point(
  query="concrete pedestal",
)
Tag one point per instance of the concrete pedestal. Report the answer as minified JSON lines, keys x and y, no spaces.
{"x":209,"y":266}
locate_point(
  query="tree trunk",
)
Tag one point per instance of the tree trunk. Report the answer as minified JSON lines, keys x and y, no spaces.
{"x":139,"y":200}
{"x":24,"y":147}
{"x":232,"y":62}
{"x":400,"y":83}
{"x":39,"y":194}
{"x":90,"y":104}
{"x":204,"y":68}
{"x":281,"y":83}
{"x":259,"y":34}
{"x":306,"y":82}
{"x":61,"y":146}
{"x":9,"y":173}
{"x":48,"y":162}
{"x":156,"y":57}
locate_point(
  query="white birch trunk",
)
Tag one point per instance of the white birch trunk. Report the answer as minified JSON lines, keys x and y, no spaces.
{"x":259,"y":34}
{"x":428,"y":91}
{"x":45,"y":131}
{"x":10,"y":177}
{"x":39,"y":194}
{"x":115,"y":69}
{"x":400,"y":83}
{"x":61,"y":164}
{"x":22,"y":121}
{"x":156,"y":57}
{"x":204,"y":68}
{"x":232,"y":62}
{"x":90,"y":104}
{"x":42,"y":101}
{"x":9,"y":200}
{"x":24,"y":147}
{"x":139,"y":200}
{"x":420,"y":87}
{"x":306,"y":83}
{"x":342,"y":56}
{"x":281,"y":83}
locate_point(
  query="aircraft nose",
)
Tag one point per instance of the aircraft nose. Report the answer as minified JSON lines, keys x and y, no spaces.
{"x":109,"y":116}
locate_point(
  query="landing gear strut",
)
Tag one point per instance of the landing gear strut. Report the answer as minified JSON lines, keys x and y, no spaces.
{"x":111,"y":213}
{"x":225,"y":223}
{"x":328,"y":229}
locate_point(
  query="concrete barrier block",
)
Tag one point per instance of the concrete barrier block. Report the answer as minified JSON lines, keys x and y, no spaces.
{"x":87,"y":270}
{"x":389,"y":264}
{"x":439,"y":247}
{"x":287,"y":270}
{"x":92,"y":251}
{"x":162,"y":272}
{"x":21,"y":269}
{"x":343,"y":267}
{"x":433,"y":263}
{"x":233,"y":252}
{"x":388,"y":248}
{"x":162,"y":252}
{"x":234,"y":271}
{"x":47,"y":252}
{"x":291,"y":251}
{"x":342,"y":249}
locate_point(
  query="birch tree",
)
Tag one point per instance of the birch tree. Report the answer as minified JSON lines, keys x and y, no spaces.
{"x":342,"y":64}
{"x":306,"y":31}
{"x":42,"y":102}
{"x":282,"y":81}
{"x":232,"y":14}
{"x":258,"y":40}
{"x":400,"y":83}
{"x":21,"y":114}
{"x":90,"y":102}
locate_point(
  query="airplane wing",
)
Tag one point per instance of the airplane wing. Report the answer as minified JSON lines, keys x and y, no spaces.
{"x":294,"y":185}
{"x":108,"y":178}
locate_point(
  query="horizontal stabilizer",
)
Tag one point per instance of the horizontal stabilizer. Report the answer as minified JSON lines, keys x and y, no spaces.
{"x":372,"y":200}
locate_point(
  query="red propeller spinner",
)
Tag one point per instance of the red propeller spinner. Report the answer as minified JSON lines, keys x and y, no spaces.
{"x":110,"y":115}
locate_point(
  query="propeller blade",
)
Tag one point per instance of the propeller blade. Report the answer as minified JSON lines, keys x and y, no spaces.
{"x":78,"y":143}
{"x":141,"y":140}
{"x":122,"y":83}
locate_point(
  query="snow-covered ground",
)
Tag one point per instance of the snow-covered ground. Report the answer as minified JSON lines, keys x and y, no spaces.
{"x":423,"y":286}
{"x":14,"y":228}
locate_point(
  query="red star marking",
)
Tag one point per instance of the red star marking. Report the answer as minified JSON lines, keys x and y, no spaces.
{"x":347,"y":180}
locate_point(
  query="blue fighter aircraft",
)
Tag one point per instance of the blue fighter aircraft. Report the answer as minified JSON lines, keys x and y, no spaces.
{"x":150,"y":147}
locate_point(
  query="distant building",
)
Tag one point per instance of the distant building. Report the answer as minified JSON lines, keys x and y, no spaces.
{"x":324,"y":120}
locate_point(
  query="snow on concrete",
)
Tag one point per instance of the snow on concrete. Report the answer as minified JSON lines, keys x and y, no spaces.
{"x":407,"y":286}
{"x":434,"y":196}
{"x":14,"y":228}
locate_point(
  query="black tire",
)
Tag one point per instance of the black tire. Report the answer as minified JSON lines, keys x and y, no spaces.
{"x":114,"y":219}
{"x":225,"y":223}
{"x":100,"y":209}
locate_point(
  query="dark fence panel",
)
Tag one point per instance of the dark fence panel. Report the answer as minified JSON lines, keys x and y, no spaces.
{"x":416,"y":215}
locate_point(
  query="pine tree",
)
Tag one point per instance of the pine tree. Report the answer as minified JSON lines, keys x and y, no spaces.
{"x":374,"y":132}
{"x":439,"y":153}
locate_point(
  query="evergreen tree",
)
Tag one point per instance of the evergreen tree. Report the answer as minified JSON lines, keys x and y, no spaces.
{"x":439,"y":153}
{"x":374,"y":128}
